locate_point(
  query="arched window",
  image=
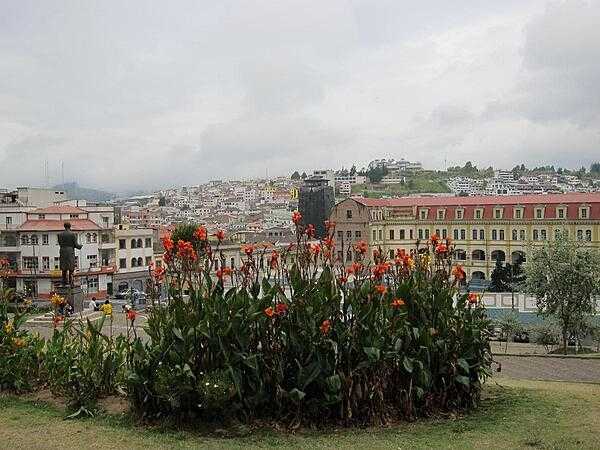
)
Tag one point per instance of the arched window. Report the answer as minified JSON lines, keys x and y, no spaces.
{"x":455,"y":234}
{"x":498,"y":255}
{"x":232,"y":263}
{"x":475,"y":235}
{"x":94,"y":237}
{"x":514,"y":235}
{"x":518,"y":257}
{"x":34,"y":239}
{"x":522,"y":235}
{"x":494,"y":235}
{"x":24,"y":240}
{"x":478,"y":255}
{"x":536,"y":235}
{"x":140,"y":262}
{"x":88,"y":238}
{"x":139,"y":243}
{"x":133,"y":262}
{"x":588,"y":235}
{"x":478,"y":275}
{"x":133,"y":243}
{"x":481,"y":235}
{"x":460,"y":255}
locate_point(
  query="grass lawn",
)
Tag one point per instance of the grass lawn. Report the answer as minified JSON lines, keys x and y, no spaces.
{"x":515,"y":414}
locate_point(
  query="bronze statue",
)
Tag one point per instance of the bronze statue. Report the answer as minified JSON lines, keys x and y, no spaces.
{"x":68,"y":243}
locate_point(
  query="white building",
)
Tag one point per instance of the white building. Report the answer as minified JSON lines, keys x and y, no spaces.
{"x":134,"y":254}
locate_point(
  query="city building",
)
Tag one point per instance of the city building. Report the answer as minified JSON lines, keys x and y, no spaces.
{"x":134,"y":254}
{"x":315,"y":203}
{"x":483,"y":228}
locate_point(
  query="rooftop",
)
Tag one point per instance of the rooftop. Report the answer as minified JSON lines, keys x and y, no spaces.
{"x":58,"y":225}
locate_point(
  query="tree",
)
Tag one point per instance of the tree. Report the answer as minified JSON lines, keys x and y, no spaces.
{"x":509,"y":325}
{"x":595,"y":168}
{"x":303,"y":176}
{"x":353,"y":170}
{"x":565,"y":277}
{"x":499,"y":278}
{"x":295,"y":175}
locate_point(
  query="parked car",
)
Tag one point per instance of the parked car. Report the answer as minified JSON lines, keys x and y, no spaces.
{"x":131,"y":294}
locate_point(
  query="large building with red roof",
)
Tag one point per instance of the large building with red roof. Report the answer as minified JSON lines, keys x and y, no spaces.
{"x":483,"y":229}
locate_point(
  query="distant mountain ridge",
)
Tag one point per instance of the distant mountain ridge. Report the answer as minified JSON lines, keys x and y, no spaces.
{"x":75,"y":192}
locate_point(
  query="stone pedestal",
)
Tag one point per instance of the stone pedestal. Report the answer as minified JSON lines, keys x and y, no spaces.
{"x":73,"y":296}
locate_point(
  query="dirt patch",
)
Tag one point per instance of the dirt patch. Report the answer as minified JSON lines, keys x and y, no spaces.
{"x":113,"y":405}
{"x":46,"y":396}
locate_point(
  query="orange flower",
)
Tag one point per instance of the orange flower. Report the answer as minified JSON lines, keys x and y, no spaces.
{"x":296,"y":217}
{"x":315,"y":249}
{"x":248,"y":249}
{"x":381,"y":289}
{"x":458,"y":272}
{"x":131,"y":314}
{"x":274,"y":261}
{"x":185,"y":250}
{"x":441,"y":249}
{"x":158,"y":273}
{"x":56,"y":320}
{"x":361,"y":247}
{"x":356,"y":268}
{"x":220,"y":235}
{"x":434,"y":238}
{"x":269,"y":312}
{"x":200,"y":233}
{"x":397,"y":303}
{"x":310,"y":230}
{"x":280,"y":309}
{"x":380,"y":269}
{"x":376,"y":254}
{"x":224,"y":272}
{"x":473,"y":298}
{"x":400,"y":253}
{"x":325,"y":327}
{"x":329,"y":242}
{"x":167,"y":243}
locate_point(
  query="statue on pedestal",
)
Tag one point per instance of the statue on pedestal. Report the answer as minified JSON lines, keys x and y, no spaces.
{"x":68,"y":243}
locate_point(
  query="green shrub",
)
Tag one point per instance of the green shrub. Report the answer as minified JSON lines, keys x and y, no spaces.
{"x":310,"y":340}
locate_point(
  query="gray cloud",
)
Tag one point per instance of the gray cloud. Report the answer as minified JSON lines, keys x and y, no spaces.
{"x":144,"y":94}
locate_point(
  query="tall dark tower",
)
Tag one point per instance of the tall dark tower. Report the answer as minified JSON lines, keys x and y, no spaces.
{"x":315,"y":201}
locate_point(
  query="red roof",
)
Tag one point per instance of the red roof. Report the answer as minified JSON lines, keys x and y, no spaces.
{"x":537,"y":199}
{"x":58,"y":225}
{"x":59,"y":209}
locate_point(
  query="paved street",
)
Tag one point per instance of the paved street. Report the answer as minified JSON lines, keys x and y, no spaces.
{"x":550,"y":368}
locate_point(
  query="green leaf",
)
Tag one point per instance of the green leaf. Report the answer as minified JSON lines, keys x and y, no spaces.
{"x":464,"y":365}
{"x":463,"y":380}
{"x":372,"y":353}
{"x":297,"y":395}
{"x":177,"y":333}
{"x":408,"y":364}
{"x":334,"y":383}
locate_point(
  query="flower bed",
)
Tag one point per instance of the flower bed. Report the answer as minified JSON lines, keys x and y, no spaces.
{"x":309,"y":340}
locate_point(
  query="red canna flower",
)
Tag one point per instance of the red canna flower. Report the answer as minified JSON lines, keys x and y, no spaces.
{"x":269,"y":312}
{"x":473,"y":298}
{"x":400,"y":253}
{"x":434,"y":238}
{"x":224,"y":272}
{"x":325,"y":327}
{"x":361,"y":247}
{"x":56,"y":320}
{"x":248,"y":249}
{"x":381,"y":289}
{"x":356,"y":268}
{"x":167,"y":243}
{"x":441,"y":249}
{"x":201,"y":233}
{"x":315,"y":249}
{"x":296,"y":217}
{"x":398,"y":303}
{"x":131,"y":314}
{"x":220,"y":235}
{"x":274,"y":260}
{"x":281,"y":309}
{"x":185,"y":250}
{"x":310,"y":230}
{"x":380,"y":269}
{"x":329,"y":242}
{"x":458,"y":272}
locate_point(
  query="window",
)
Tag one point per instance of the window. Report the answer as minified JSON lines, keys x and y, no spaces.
{"x":105,"y":221}
{"x":77,"y":262}
{"x":232,"y":263}
{"x":560,"y":213}
{"x":515,"y":236}
{"x":402,"y":234}
{"x":426,"y":233}
{"x":522,"y":235}
{"x":501,"y":235}
{"x":543,"y":235}
{"x":340,"y":235}
{"x":420,"y":233}
{"x":8,"y":220}
{"x":94,"y":237}
{"x":557,"y":233}
{"x":474,"y":234}
{"x":74,"y":216}
{"x":92,"y":261}
{"x":392,"y":235}
{"x":455,"y":234}
{"x":494,"y":235}
{"x":92,"y":284}
{"x":122,"y":263}
{"x":481,"y":235}
{"x":463,"y":234}
{"x":30,"y":262}
{"x":122,"y":244}
{"x":583,"y":212}
{"x":139,"y":243}
{"x":498,"y":213}
{"x":148,"y":260}
{"x":349,"y":234}
{"x":357,"y":234}
{"x":539,"y":213}
{"x":380,"y":235}
{"x":374,"y":235}
{"x":411,"y":234}
{"x":441,"y":213}
{"x":478,"y":213}
{"x":88,"y":238}
{"x":444,"y":233}
{"x":133,"y":243}
{"x":459,"y":214}
{"x":437,"y":232}
{"x":391,"y":254}
{"x":536,"y":235}
{"x":518,"y":213}
{"x":588,"y":235}
{"x":56,"y":263}
{"x":45,"y":263}
{"x":44,"y":239}
{"x":41,"y":216}
{"x":133,"y":262}
{"x":148,"y":242}
{"x":423,"y":214}
{"x":34,"y":239}
{"x":348,"y":214}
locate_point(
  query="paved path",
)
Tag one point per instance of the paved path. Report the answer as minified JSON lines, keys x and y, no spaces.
{"x":557,"y":369}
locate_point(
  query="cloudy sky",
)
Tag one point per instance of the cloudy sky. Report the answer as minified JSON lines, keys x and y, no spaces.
{"x":143,"y":94}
